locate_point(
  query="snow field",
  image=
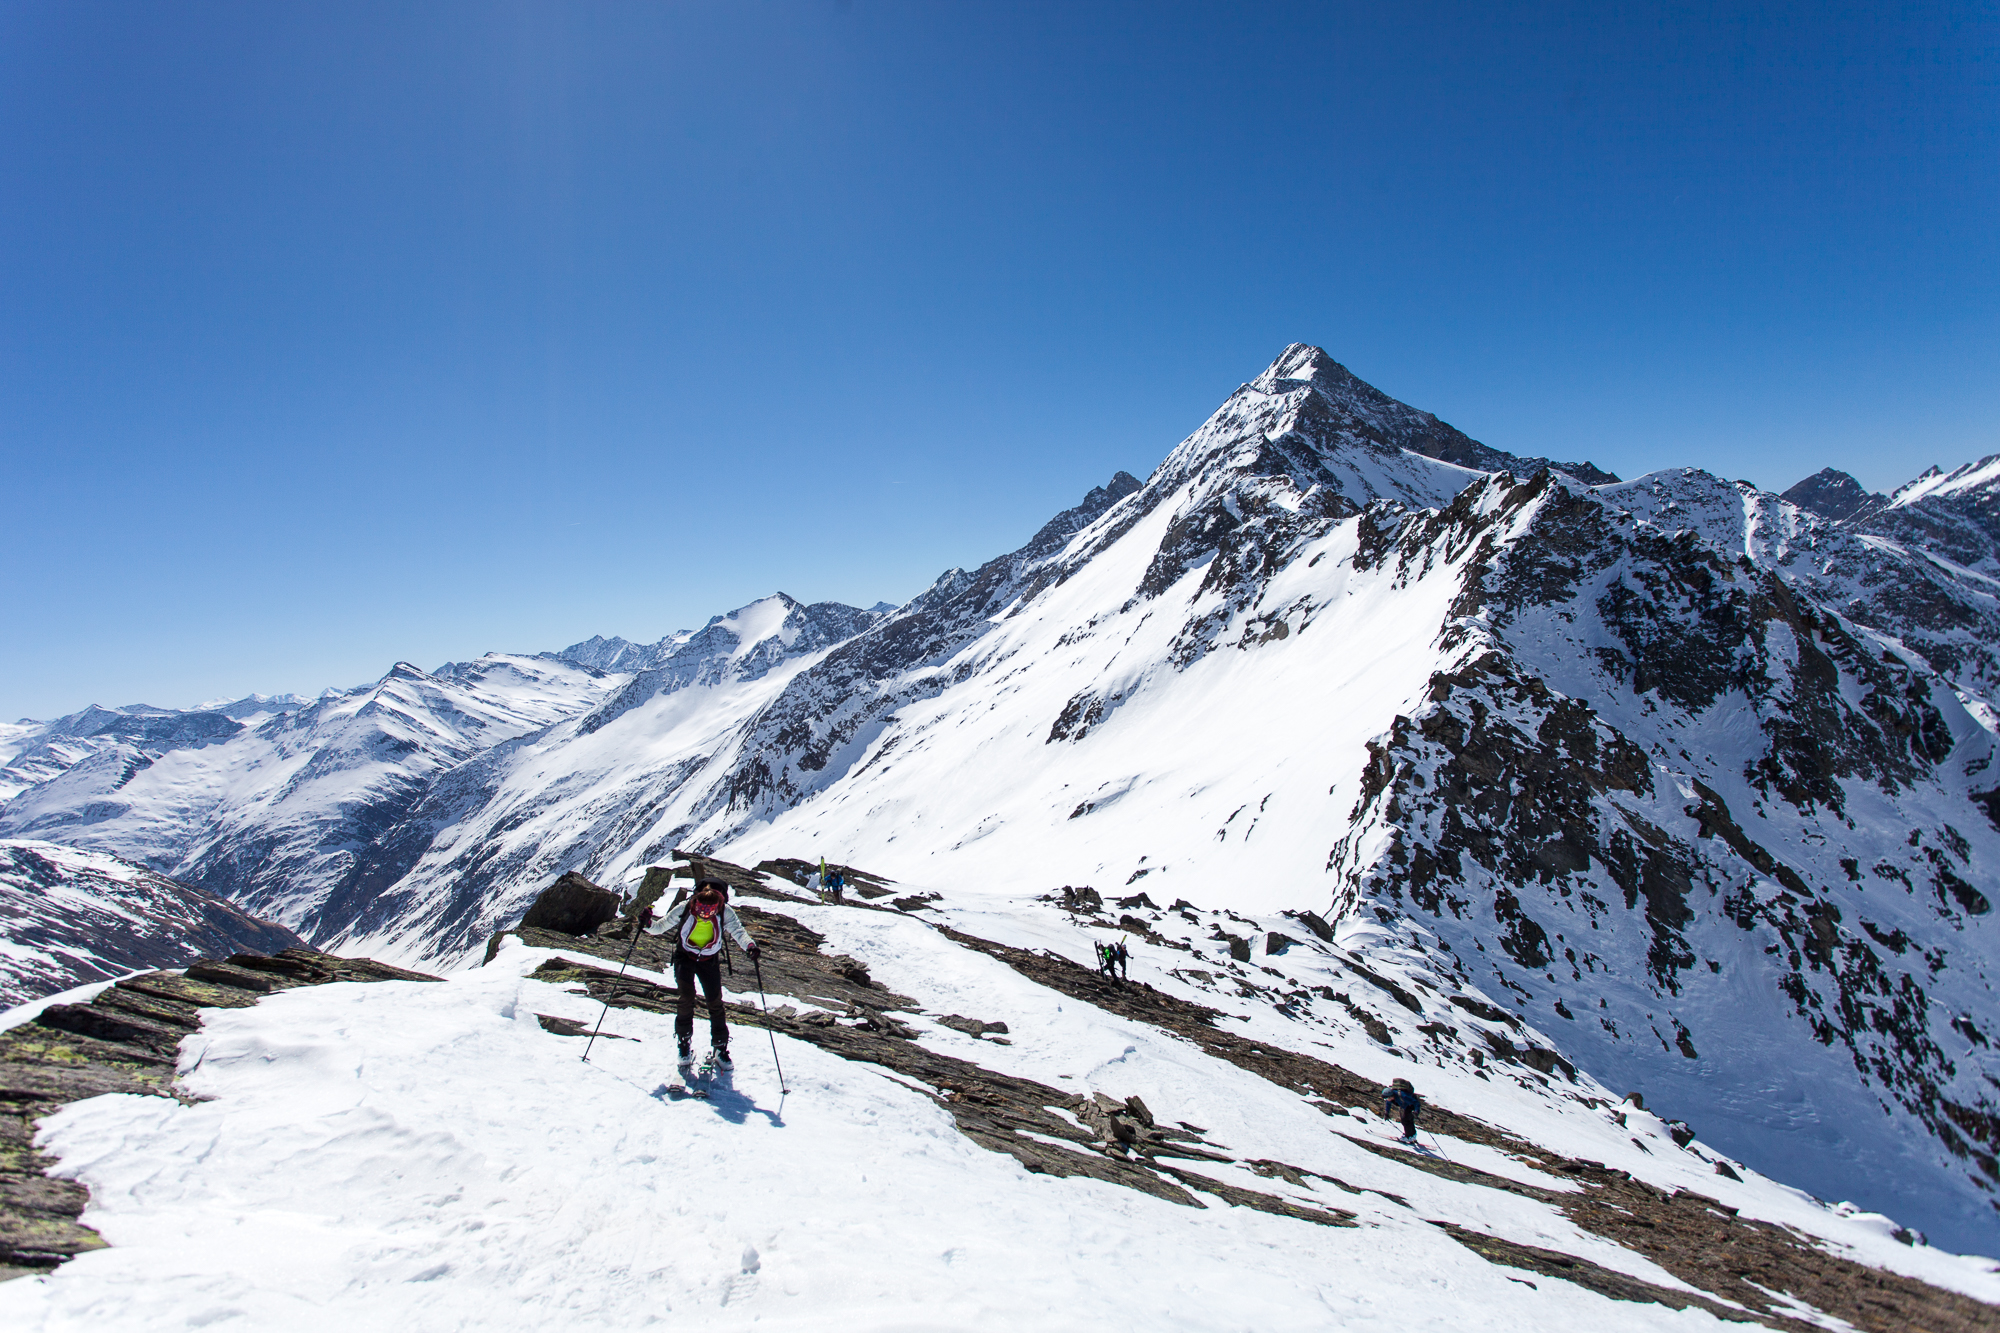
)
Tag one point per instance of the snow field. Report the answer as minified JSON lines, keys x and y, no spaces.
{"x":1251,"y":1118}
{"x":424,"y":1156}
{"x":1229,"y":781}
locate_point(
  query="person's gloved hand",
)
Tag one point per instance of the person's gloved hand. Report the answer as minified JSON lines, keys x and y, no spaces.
{"x":645,"y":917}
{"x":754,"y":950}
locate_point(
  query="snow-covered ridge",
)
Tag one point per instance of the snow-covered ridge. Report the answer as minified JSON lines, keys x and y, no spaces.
{"x":1327,"y":652}
{"x":1972,"y":478}
{"x":34,"y":752}
{"x":282,"y":815}
{"x":421,"y":1198}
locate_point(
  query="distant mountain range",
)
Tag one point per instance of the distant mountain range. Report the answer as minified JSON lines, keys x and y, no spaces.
{"x":1688,"y":782}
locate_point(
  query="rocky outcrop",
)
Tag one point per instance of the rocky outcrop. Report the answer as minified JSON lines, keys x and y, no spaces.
{"x":1834,"y":494}
{"x":571,"y":906}
{"x":1666,"y":782}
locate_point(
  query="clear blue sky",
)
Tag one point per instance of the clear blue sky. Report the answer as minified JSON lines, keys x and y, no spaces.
{"x":335,"y":334}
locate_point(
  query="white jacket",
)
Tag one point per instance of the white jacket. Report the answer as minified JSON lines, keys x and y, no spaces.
{"x":673,"y":917}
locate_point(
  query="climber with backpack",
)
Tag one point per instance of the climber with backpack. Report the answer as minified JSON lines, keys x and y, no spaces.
{"x":1400,"y":1100}
{"x":702,"y":925}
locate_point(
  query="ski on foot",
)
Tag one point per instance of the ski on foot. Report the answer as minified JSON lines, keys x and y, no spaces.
{"x":698,"y":1082}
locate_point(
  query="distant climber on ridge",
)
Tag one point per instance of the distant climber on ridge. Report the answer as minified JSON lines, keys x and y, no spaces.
{"x":1400,"y":1099}
{"x":700,"y":925}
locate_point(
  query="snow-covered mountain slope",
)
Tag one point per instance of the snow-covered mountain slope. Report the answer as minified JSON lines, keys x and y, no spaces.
{"x":311,"y":816}
{"x":68,"y":918}
{"x":493,"y":832}
{"x":284,"y":816}
{"x":1744,"y":750}
{"x":820,"y":624}
{"x":32,"y":753}
{"x":428,"y":1156}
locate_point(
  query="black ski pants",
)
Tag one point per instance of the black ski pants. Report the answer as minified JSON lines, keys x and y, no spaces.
{"x":688,"y":968}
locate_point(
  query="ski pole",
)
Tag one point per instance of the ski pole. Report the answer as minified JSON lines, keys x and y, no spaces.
{"x":614,"y":986}
{"x":765,"y":1005}
{"x":1438,"y":1144}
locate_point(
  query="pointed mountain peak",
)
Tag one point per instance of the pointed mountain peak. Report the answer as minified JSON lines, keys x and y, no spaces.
{"x":1834,"y":494}
{"x":1302,"y":365}
{"x":1303,"y":361}
{"x":1347,"y":408}
{"x":782,"y":602}
{"x":1936,"y":483}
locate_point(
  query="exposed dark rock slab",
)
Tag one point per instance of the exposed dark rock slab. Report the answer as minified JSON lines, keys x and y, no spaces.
{"x":112,"y":1025}
{"x":570,"y":1027}
{"x":1589,"y":1276}
{"x":572,"y":905}
{"x":242,"y":978}
{"x":1237,"y":1196}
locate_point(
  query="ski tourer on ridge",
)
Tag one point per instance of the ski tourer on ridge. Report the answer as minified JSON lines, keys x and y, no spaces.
{"x":1400,"y":1101}
{"x":700,"y":925}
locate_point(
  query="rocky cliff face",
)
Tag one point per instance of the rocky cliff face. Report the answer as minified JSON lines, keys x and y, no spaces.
{"x":1713,"y":839}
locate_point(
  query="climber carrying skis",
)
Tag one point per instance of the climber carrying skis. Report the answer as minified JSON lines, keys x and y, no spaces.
{"x":700,"y":924}
{"x":1399,"y":1099}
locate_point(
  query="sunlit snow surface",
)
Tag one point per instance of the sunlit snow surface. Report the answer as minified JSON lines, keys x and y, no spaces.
{"x":1228,"y":742}
{"x":1973,"y":477}
{"x":416,"y":1156}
